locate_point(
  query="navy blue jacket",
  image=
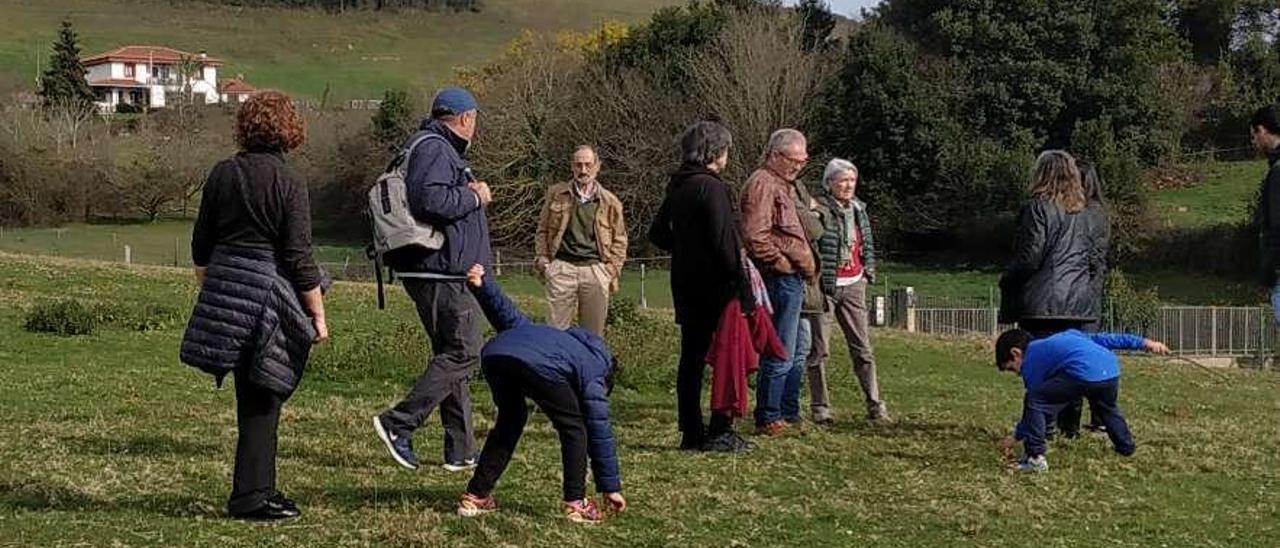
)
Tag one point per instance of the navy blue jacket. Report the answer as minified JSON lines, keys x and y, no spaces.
{"x":436,"y":185}
{"x":575,"y":356}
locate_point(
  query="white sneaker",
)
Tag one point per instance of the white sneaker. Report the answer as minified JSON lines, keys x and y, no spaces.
{"x":1033,"y":464}
{"x":463,"y":465}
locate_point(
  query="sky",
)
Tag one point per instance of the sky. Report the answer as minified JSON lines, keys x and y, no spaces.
{"x":849,"y":8}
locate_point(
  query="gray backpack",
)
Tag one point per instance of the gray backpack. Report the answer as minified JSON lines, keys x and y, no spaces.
{"x":394,"y":226}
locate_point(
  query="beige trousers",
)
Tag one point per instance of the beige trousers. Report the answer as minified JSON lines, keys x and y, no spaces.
{"x":848,"y":310}
{"x":580,"y":292}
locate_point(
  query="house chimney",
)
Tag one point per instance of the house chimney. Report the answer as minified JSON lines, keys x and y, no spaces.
{"x":204,"y":55}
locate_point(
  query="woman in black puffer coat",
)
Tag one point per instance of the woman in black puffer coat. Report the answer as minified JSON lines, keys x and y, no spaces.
{"x":260,"y":306}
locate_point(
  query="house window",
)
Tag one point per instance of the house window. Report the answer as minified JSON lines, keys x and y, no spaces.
{"x":128,"y":70}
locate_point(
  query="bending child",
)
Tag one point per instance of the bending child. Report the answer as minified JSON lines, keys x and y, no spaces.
{"x":569,"y":375}
{"x":1062,"y":369}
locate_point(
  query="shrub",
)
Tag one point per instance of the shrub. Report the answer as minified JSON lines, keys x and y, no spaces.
{"x":1126,"y":308}
{"x":137,"y":317}
{"x":67,"y":317}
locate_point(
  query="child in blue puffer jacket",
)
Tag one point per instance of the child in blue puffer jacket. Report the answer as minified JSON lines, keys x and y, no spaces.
{"x":569,"y":375}
{"x":1062,"y":369}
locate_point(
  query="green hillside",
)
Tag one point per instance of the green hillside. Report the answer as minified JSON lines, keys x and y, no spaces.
{"x":356,"y":54}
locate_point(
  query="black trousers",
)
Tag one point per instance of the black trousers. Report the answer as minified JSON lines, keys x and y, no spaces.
{"x":511,"y":381}
{"x":1056,"y":393}
{"x":695,"y":342}
{"x":257,"y":418}
{"x":451,"y":318}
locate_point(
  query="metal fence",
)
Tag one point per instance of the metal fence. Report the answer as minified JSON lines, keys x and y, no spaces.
{"x":1226,"y":331}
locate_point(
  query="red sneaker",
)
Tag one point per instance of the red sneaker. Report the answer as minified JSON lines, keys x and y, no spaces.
{"x":583,"y":511}
{"x":471,"y":505}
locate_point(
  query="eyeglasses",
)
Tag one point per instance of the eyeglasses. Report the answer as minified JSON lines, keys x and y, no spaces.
{"x":797,"y":160}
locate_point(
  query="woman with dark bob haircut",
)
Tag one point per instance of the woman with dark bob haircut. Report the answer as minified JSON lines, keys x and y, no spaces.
{"x":698,"y":225}
{"x":260,"y":306}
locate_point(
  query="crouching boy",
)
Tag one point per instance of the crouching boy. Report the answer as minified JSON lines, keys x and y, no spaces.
{"x":569,"y":375}
{"x":1062,"y":369}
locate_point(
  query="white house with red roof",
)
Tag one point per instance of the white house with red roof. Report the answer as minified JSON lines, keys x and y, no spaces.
{"x":143,"y":75}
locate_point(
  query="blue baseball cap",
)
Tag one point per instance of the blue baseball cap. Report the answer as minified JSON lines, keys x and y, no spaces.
{"x":453,"y":100}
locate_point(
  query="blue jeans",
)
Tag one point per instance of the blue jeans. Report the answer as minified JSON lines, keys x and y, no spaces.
{"x":790,"y":405}
{"x":786,"y":293}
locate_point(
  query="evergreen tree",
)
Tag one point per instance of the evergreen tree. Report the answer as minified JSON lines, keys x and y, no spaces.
{"x":818,"y":23}
{"x":392,"y":121}
{"x":63,"y":84}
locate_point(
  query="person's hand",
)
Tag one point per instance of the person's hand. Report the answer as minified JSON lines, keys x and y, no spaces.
{"x":482,"y":191}
{"x":322,"y":329}
{"x":475,"y":276}
{"x":1155,"y":347}
{"x":540,"y":266}
{"x":200,"y":272}
{"x":615,"y":501}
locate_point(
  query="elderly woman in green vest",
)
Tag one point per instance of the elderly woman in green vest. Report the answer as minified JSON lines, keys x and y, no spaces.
{"x":848,"y":266}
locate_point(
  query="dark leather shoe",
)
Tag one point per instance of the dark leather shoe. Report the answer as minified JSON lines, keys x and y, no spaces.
{"x":275,"y":508}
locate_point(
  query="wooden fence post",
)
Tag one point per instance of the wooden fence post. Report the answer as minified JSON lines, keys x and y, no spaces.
{"x":128,"y":255}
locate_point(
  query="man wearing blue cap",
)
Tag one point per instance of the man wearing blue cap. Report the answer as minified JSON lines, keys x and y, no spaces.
{"x":443,"y":193}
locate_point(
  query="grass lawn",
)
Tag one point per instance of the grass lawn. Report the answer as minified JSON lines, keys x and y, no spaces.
{"x":1223,"y":196}
{"x":355,"y":55}
{"x":108,"y":440}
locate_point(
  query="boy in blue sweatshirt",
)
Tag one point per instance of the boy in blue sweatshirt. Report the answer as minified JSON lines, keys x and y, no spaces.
{"x":569,"y":375}
{"x":1062,"y":369}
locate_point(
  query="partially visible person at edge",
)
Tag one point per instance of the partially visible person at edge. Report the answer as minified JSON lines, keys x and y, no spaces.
{"x":809,"y":329}
{"x":699,"y":226}
{"x":1048,"y":286}
{"x":848,"y":268}
{"x":1095,"y":218}
{"x":252,"y":251}
{"x":1264,"y":129}
{"x":443,"y":193}
{"x":581,"y":246}
{"x":775,"y":241}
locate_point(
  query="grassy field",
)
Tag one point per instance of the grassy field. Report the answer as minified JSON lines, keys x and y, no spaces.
{"x":356,"y":54}
{"x":108,"y":440}
{"x":1223,"y":195}
{"x":159,"y":243}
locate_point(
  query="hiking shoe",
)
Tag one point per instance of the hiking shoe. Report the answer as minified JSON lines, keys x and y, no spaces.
{"x":461,"y":465}
{"x":727,"y":442}
{"x":400,"y":447}
{"x":823,"y":419}
{"x":1033,"y":464}
{"x":773,"y":429}
{"x":471,"y":505}
{"x":879,"y":416}
{"x":583,"y":511}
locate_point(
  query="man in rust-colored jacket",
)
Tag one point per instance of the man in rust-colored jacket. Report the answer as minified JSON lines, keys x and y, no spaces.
{"x":580,"y":246}
{"x":775,"y":240}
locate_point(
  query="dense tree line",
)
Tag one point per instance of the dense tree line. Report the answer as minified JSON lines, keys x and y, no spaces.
{"x":344,"y":5}
{"x":942,"y":104}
